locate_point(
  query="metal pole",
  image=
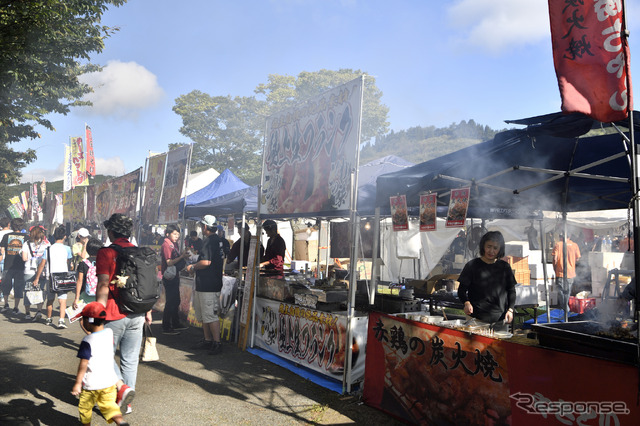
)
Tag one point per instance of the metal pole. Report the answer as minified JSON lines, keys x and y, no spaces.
{"x":374,"y":265}
{"x":565,"y":279}
{"x":543,"y":243}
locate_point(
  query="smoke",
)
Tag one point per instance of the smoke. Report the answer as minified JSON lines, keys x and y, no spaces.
{"x":113,"y":166}
{"x":121,"y":90}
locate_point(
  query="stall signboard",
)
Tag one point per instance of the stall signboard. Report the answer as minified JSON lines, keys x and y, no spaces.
{"x":174,"y":177}
{"x":313,"y":339}
{"x":77,"y":204}
{"x":399,"y":215}
{"x":427,"y":374}
{"x":428,"y":204}
{"x":310,"y":153}
{"x":458,"y":204}
{"x":103,"y":201}
{"x":124,"y":193}
{"x":153,"y":188}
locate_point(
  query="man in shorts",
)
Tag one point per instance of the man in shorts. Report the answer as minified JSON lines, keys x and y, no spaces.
{"x":206,"y":299}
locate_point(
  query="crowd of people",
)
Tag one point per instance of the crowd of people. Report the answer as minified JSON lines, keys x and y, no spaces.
{"x":31,"y":257}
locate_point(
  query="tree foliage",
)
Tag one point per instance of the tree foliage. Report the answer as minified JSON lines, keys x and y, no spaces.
{"x":228,"y":132}
{"x":44,"y":46}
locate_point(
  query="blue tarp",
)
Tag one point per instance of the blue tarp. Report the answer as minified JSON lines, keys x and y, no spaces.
{"x":547,"y":166}
{"x":241,"y":201}
{"x":225,"y":183}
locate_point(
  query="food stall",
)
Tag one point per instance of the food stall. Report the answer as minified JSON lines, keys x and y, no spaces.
{"x":568,"y":373}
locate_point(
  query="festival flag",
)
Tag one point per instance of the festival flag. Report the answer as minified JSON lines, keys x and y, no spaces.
{"x":34,"y":200}
{"x":68,"y":174}
{"x":43,"y":189}
{"x":91,"y":160}
{"x":24,"y":197}
{"x":591,"y":57}
{"x":78,"y":166}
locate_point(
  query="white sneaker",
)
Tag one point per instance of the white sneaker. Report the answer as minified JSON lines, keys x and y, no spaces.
{"x":61,"y":324}
{"x":27,"y":316}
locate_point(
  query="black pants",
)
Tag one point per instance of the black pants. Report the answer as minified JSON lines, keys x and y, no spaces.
{"x":171,"y":316}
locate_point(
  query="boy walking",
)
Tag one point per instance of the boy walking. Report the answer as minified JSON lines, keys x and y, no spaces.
{"x":96,"y":378}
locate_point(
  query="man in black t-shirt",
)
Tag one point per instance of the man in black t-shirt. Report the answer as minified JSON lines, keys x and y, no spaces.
{"x":13,"y":275}
{"x":206,"y":298}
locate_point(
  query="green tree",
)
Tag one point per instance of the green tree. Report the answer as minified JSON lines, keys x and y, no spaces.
{"x":44,"y":46}
{"x":228,"y":132}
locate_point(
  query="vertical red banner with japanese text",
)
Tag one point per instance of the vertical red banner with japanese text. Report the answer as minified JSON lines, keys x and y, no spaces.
{"x":399,"y":214}
{"x":424,"y":376}
{"x":591,"y":57}
{"x":458,"y":204}
{"x":428,"y":203}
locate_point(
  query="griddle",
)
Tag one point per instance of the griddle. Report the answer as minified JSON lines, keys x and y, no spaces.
{"x":581,"y":337}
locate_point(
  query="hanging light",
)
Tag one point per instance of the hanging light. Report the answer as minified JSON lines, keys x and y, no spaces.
{"x":367,"y":226}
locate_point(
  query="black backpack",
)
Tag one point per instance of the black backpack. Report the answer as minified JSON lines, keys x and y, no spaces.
{"x":142,"y":288}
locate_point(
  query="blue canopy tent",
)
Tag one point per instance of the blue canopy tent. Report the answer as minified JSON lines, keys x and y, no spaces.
{"x":241,"y":201}
{"x":225,"y":183}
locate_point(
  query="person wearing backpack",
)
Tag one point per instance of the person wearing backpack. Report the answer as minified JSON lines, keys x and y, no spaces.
{"x":87,"y":278}
{"x":126,"y":326}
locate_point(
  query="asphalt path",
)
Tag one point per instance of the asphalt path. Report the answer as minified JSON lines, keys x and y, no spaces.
{"x":38,"y":365}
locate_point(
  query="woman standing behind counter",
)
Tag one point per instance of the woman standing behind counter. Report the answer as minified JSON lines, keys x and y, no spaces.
{"x":487,"y":284}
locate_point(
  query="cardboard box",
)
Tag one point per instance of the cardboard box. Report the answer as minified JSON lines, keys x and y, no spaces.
{"x":421,"y":288}
{"x":537,"y":270}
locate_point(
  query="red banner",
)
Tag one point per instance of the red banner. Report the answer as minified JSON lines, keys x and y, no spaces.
{"x":591,"y":57}
{"x":399,"y":216}
{"x":91,"y":159}
{"x":428,"y":203}
{"x":458,"y":204}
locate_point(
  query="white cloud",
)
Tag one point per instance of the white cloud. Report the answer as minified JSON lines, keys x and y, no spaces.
{"x":113,"y":166}
{"x":122,"y":89}
{"x":497,"y":25}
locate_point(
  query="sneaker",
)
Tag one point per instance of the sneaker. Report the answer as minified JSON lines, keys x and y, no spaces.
{"x":27,"y":316}
{"x":37,"y":317}
{"x":181,"y":327}
{"x":48,"y":321}
{"x":127,"y":411}
{"x":216,"y":348}
{"x":15,"y":311}
{"x":202,"y":344}
{"x":61,"y":323}
{"x":171,"y":331}
{"x":124,"y":397}
{"x":6,"y":308}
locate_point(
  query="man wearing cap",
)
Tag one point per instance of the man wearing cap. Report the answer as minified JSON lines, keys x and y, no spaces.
{"x":127,"y":329}
{"x":206,"y":299}
{"x":273,"y":259}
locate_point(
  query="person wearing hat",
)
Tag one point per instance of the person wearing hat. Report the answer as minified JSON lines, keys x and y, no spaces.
{"x":273,"y":259}
{"x":78,"y":249}
{"x":127,"y":329}
{"x":206,"y":298}
{"x":96,"y":379}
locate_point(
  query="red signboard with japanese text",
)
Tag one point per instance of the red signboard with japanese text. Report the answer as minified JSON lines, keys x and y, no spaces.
{"x":458,"y":205}
{"x":427,"y":374}
{"x":428,"y":203}
{"x":399,"y":215}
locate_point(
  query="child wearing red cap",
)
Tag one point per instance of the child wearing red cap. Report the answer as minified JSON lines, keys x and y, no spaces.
{"x":96,"y":378}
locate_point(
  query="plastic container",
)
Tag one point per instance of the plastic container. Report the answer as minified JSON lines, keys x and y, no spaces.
{"x":580,"y":306}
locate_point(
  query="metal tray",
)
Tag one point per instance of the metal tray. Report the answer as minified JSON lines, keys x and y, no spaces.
{"x":580,"y":337}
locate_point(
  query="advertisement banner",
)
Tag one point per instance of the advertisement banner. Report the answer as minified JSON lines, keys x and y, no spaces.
{"x":91,"y":203}
{"x":78,"y":165}
{"x":67,"y":206}
{"x":153,"y":189}
{"x":428,"y":203}
{"x":24,"y":198}
{"x":103,"y":201}
{"x":426,"y":376}
{"x":124,"y":194}
{"x":77,"y":204}
{"x":174,"y":178}
{"x":91,"y":159}
{"x":68,"y":171}
{"x":310,"y":153}
{"x":14,"y":211}
{"x":43,"y":189}
{"x":34,"y":200}
{"x":458,"y":205}
{"x":313,"y":339}
{"x":591,"y":57}
{"x":399,"y":215}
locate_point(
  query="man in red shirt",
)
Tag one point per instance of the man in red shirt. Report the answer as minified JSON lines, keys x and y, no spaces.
{"x":127,"y":329}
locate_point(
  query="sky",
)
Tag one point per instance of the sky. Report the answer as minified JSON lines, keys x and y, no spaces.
{"x":436,"y":63}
